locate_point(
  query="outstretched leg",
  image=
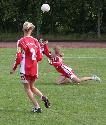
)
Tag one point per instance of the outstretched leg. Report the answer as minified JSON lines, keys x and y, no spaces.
{"x":79,"y":80}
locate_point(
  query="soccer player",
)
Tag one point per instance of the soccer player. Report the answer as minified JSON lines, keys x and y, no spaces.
{"x":28,"y":54}
{"x":44,"y":47}
{"x":67,"y":74}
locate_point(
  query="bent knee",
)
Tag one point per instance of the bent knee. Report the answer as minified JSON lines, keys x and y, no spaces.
{"x":76,"y":80}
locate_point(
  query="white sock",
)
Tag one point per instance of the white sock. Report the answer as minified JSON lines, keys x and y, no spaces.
{"x":41,"y":97}
{"x":37,"y":106}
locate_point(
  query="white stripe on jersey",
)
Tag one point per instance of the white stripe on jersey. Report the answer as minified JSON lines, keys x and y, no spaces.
{"x":22,"y":64}
{"x":66,"y":69}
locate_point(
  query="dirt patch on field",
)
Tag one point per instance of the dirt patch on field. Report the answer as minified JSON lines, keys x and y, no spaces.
{"x":62,"y":44}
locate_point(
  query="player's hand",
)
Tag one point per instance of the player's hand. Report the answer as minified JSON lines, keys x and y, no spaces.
{"x":12,"y":71}
{"x":45,"y":42}
{"x":50,"y":62}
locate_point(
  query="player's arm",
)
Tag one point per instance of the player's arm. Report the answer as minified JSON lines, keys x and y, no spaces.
{"x":46,"y":51}
{"x":18,"y":59}
{"x":39,"y":53}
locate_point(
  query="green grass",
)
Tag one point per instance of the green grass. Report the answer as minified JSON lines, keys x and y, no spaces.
{"x":83,"y":104}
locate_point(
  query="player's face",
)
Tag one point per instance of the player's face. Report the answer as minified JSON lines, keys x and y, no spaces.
{"x":57,"y":50}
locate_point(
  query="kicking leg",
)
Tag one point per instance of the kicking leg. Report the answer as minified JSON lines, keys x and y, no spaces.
{"x":39,"y":93}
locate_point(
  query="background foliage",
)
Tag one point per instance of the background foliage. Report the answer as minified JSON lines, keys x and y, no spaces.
{"x":65,"y":16}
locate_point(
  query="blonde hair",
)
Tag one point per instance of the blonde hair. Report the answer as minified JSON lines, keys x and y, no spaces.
{"x":28,"y":25}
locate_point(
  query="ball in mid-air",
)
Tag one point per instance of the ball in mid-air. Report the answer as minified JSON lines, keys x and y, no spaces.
{"x":45,"y":8}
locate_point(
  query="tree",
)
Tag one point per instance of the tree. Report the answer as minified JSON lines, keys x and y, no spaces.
{"x":65,"y":16}
{"x":99,"y":15}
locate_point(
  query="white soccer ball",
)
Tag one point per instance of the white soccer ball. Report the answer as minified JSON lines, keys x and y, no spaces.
{"x":45,"y":8}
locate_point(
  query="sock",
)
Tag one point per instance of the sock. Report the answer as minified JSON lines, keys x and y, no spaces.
{"x":37,"y":106}
{"x":42,"y":97}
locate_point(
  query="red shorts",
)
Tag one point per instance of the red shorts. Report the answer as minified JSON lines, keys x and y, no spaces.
{"x":66,"y":71}
{"x":27,"y":78}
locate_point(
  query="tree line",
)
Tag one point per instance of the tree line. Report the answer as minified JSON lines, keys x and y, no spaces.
{"x":65,"y":16}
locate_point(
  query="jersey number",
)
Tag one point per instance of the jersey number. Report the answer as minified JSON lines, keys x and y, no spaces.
{"x":33,"y":53}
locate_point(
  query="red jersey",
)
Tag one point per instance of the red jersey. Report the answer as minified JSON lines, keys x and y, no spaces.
{"x":66,"y":71}
{"x":31,"y":54}
{"x":45,"y":49}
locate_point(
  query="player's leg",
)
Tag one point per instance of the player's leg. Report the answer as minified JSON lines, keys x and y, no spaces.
{"x":67,"y":80}
{"x":60,"y":79}
{"x":79,"y":80}
{"x":63,"y":80}
{"x":26,"y":82}
{"x":31,"y":97}
{"x":69,"y":73}
{"x":39,"y":93}
{"x":35,"y":90}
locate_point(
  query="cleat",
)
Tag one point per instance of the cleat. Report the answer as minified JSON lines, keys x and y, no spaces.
{"x":39,"y":110}
{"x":46,"y":102}
{"x":96,"y":78}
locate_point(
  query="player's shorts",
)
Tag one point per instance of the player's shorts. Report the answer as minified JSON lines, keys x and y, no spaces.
{"x":27,"y":78}
{"x":67,"y":72}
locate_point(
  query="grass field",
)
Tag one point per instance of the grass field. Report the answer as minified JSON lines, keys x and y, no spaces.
{"x":83,"y":104}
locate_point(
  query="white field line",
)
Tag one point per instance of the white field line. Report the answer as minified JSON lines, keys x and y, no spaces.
{"x":84,"y":57}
